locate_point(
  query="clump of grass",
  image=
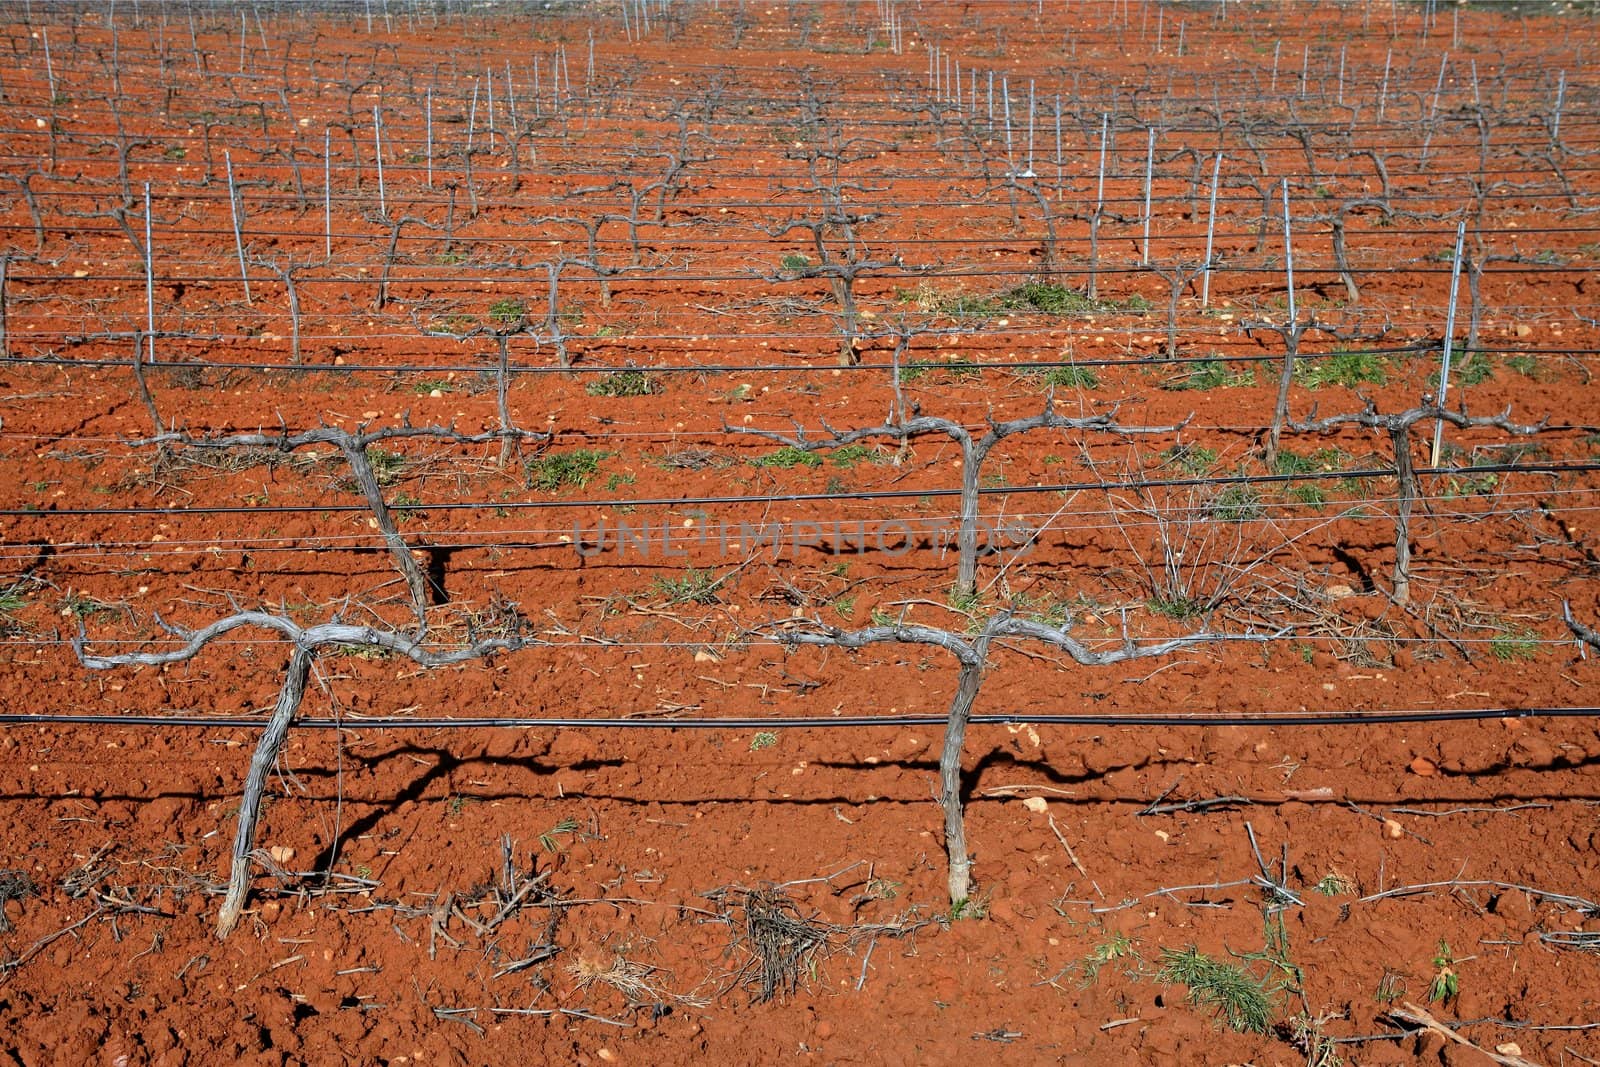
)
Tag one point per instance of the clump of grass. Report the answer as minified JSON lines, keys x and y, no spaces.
{"x":1514,"y":643}
{"x":1323,"y":459}
{"x":1042,"y":608}
{"x":848,"y":456}
{"x":507,"y":313}
{"x":1348,"y":369}
{"x":1446,"y":983}
{"x":1523,"y":364}
{"x":1308,"y":494}
{"x":1334,"y":883}
{"x":1071,"y":378}
{"x":787,"y":458}
{"x":1238,"y":997}
{"x":1237,"y":503}
{"x":1176,"y":606}
{"x":794,"y":262}
{"x":692,"y":587}
{"x":86,"y":607}
{"x":565,"y":828}
{"x":1191,"y":459}
{"x":956,"y":368}
{"x":965,"y":603}
{"x":1118,"y":946}
{"x":1044,"y":298}
{"x":386,"y":466}
{"x":1476,"y":368}
{"x":1211,"y":374}
{"x":1294,"y":463}
{"x":969,"y":908}
{"x":1132,"y":302}
{"x":967,"y":305}
{"x":574,"y":468}
{"x":1049,"y":298}
{"x":763,"y":739}
{"x":624,"y":383}
{"x":13,"y":598}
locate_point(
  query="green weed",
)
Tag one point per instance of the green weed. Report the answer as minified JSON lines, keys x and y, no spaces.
{"x":1177,"y":606}
{"x":1446,"y":984}
{"x":13,"y":598}
{"x":965,"y":603}
{"x":565,"y":828}
{"x":692,"y":587}
{"x":1523,"y":364}
{"x":1348,"y":369}
{"x":1071,"y":378}
{"x":1514,"y":643}
{"x":1242,"y":1000}
{"x":402,"y":505}
{"x":850,"y":455}
{"x":1048,"y":298}
{"x":787,"y":458}
{"x":970,"y":908}
{"x":1211,"y":374}
{"x":1334,"y":884}
{"x":86,"y":607}
{"x":386,"y":466}
{"x":1308,"y":494}
{"x":1237,"y":503}
{"x":1471,"y":485}
{"x":1120,"y":946}
{"x":1042,"y":608}
{"x":624,"y":383}
{"x":574,"y":468}
{"x":508,"y":313}
{"x":1475,"y":369}
{"x":967,"y":306}
{"x":1191,"y":459}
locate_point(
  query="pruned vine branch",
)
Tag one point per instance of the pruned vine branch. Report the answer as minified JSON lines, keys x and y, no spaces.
{"x":1398,"y":426}
{"x":307,"y":642}
{"x":974,"y":450}
{"x":971,"y":652}
{"x":353,"y":446}
{"x":1587,"y":634}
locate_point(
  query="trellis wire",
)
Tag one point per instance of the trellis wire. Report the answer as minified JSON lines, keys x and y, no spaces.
{"x":1352,"y":717}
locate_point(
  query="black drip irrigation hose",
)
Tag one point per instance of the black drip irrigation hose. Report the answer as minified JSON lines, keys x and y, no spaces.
{"x":812,"y":722}
{"x":793,"y":498}
{"x":923,"y":363}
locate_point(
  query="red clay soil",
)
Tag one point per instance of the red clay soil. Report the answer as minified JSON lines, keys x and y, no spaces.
{"x":649,"y":891}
